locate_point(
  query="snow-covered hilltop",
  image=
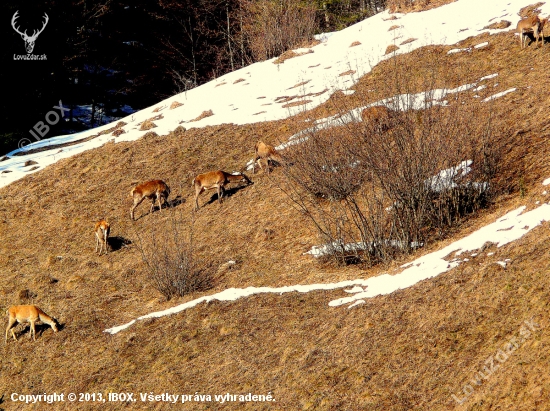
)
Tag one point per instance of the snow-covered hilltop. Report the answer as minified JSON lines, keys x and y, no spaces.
{"x":268,"y":91}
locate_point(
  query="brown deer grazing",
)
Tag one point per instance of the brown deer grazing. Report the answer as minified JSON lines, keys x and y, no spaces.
{"x":530,"y":25}
{"x":215,"y":179}
{"x":153,"y":190}
{"x":27,"y":314}
{"x":265,"y":152}
{"x":378,"y":117}
{"x":102,"y":230}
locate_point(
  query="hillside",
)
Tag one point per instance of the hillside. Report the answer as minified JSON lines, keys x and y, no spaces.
{"x":412,"y":349}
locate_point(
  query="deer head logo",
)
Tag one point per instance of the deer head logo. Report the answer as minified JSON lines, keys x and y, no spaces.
{"x":29,"y":40}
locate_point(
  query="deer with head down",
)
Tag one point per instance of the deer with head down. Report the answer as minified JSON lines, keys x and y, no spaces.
{"x":154,"y":190}
{"x":265,"y":152}
{"x":216,"y":179}
{"x":28,"y":314}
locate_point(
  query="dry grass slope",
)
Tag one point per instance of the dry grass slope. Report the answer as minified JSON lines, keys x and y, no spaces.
{"x":408,"y":350}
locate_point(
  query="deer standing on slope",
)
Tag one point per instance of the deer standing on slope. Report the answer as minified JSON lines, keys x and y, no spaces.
{"x":530,"y":25}
{"x":154,"y":190}
{"x":102,"y":230}
{"x":216,"y":179}
{"x":265,"y":152}
{"x":28,"y":314}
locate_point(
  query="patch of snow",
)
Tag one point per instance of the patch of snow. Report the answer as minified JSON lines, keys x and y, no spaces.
{"x":503,"y":93}
{"x":427,"y":266}
{"x":236,"y":102}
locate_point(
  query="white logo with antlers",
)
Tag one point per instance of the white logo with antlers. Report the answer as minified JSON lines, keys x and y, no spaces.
{"x":29,"y":40}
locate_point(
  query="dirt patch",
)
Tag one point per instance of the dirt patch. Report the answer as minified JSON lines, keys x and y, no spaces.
{"x":147,"y":125}
{"x":302,"y":83}
{"x":410,"y":40}
{"x":409,"y":6}
{"x":391,"y":48}
{"x":346,"y":73}
{"x":503,"y":24}
{"x":175,"y":104}
{"x":296,"y":103}
{"x":289,"y":55}
{"x":531,"y":10}
{"x":204,"y":114}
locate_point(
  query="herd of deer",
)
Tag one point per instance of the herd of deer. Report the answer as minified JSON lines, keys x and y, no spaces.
{"x":156,"y":191}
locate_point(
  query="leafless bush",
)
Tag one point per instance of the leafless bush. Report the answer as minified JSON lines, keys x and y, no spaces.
{"x":275,"y":26}
{"x":171,"y":261}
{"x":378,"y":189}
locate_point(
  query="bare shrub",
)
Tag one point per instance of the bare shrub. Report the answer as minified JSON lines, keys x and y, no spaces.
{"x":171,"y":261}
{"x":376,"y":191}
{"x":407,"y":6}
{"x":275,"y":26}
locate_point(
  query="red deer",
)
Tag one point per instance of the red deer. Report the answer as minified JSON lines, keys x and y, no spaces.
{"x":27,"y":314}
{"x":530,"y":25}
{"x":102,"y":230}
{"x":153,"y":190}
{"x":265,"y":152}
{"x":378,"y":117}
{"x":215,"y":179}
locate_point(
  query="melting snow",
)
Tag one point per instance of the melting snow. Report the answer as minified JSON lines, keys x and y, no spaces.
{"x":236,"y":102}
{"x":506,"y":229}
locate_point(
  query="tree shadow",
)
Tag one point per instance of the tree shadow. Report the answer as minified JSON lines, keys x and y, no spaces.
{"x":172,"y":203}
{"x":117,"y":242}
{"x":176,"y":201}
{"x":39,"y":328}
{"x":226,"y":194}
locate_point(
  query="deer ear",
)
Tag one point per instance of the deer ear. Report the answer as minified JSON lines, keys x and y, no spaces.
{"x":23,"y":36}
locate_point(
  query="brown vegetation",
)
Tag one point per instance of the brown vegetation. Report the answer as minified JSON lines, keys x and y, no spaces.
{"x":204,"y":114}
{"x":411,"y":349}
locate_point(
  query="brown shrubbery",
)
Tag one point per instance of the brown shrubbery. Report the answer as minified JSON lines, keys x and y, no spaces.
{"x":383,"y":186}
{"x":171,"y":261}
{"x":273,"y":27}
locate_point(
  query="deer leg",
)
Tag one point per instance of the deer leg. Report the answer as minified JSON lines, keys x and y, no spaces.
{"x":96,"y":242}
{"x":134,"y":206}
{"x":198,"y":191}
{"x":105,"y":238}
{"x":11,"y":324}
{"x":33,"y":331}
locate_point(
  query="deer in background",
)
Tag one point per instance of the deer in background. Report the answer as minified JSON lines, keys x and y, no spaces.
{"x":154,"y":190}
{"x":378,"y":117}
{"x":28,"y":314}
{"x":102,"y":230}
{"x":215,"y":179}
{"x":265,"y":152}
{"x":29,"y":40}
{"x":530,"y":25}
